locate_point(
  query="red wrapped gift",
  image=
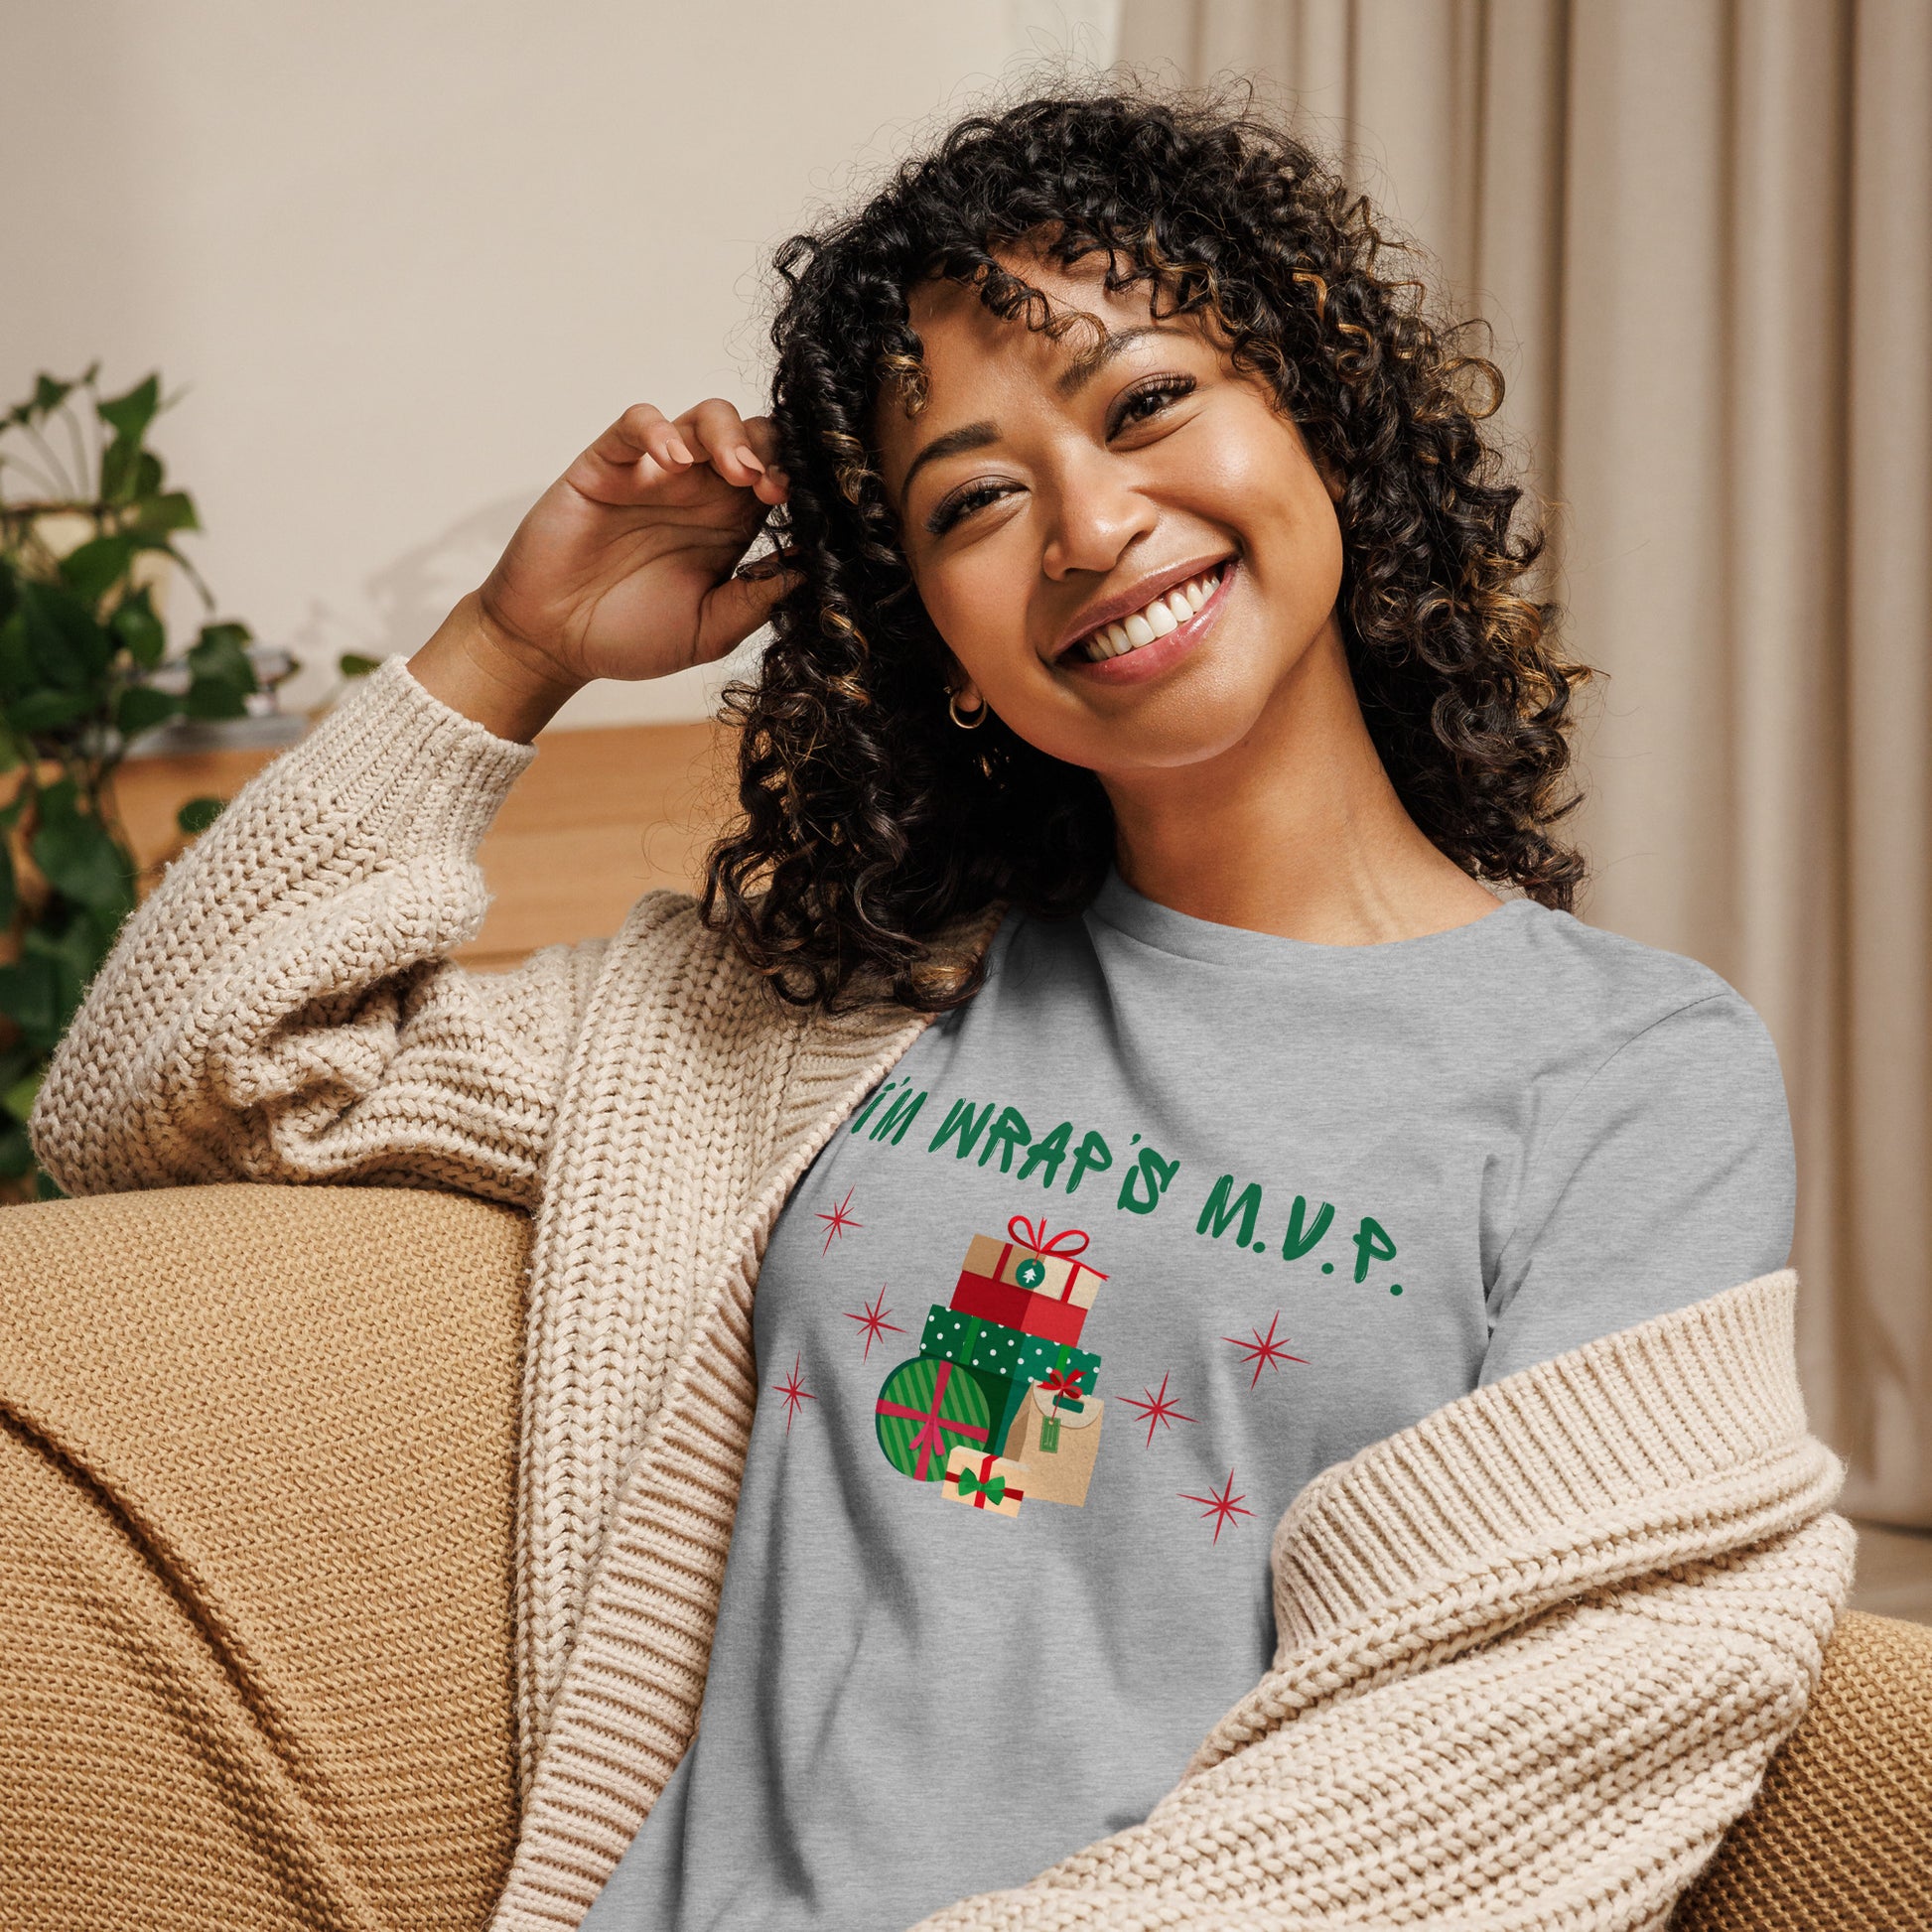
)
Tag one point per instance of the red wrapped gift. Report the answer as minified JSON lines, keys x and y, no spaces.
{"x":1045,"y":1265}
{"x":1016,"y":1307}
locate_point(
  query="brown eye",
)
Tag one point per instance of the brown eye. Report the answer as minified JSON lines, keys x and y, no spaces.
{"x":1146,"y":400}
{"x":964,"y":501}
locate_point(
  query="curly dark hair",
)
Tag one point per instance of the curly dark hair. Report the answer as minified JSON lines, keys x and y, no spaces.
{"x":869,"y":822}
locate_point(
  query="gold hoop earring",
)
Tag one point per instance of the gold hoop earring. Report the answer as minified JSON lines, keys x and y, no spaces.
{"x":971,"y":723}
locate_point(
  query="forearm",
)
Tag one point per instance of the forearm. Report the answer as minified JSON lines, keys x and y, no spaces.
{"x":274,"y":1008}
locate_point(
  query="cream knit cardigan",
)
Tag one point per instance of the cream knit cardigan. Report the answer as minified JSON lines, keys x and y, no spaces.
{"x":1535,"y":1651}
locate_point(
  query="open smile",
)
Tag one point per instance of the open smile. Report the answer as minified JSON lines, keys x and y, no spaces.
{"x":1144,"y":641}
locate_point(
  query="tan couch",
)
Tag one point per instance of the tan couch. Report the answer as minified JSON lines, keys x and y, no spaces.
{"x":256,"y":1472}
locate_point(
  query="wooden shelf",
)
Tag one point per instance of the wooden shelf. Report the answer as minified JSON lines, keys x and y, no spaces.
{"x":600,"y":818}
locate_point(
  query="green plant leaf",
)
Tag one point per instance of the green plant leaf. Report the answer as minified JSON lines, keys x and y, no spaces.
{"x":120,"y":471}
{"x":78,"y":856}
{"x":48,"y":394}
{"x":9,"y":593}
{"x":31,"y":997}
{"x":224,"y":677}
{"x":141,"y":707}
{"x":198,"y":814}
{"x":222,"y":650}
{"x":213,"y":698}
{"x":19,"y":1098}
{"x":17,"y":671}
{"x":352,"y":664}
{"x":9,"y":890}
{"x":46,"y":711}
{"x":93,"y":569}
{"x":69,"y":647}
{"x":172,"y":510}
{"x":136,"y":625}
{"x":130,"y":415}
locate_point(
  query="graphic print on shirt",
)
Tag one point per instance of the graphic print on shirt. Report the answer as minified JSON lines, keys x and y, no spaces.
{"x":999,"y":1405}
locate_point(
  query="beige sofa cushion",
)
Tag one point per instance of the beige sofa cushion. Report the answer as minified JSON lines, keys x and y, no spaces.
{"x":255,"y":1558}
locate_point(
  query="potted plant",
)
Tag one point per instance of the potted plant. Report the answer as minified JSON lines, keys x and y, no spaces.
{"x":87,"y":540}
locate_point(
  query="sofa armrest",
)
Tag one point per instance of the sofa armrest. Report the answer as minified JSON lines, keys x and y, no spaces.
{"x":1840,"y":1831}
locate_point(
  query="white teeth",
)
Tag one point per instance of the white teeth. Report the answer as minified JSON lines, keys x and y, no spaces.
{"x":1164,"y":615}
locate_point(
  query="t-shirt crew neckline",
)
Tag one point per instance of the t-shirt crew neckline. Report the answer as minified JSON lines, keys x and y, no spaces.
{"x":1141,"y":919}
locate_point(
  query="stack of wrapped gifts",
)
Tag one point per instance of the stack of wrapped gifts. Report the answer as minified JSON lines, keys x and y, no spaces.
{"x":999,"y":1406}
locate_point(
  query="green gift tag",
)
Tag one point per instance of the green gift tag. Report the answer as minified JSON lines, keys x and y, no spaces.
{"x":1049,"y":1436}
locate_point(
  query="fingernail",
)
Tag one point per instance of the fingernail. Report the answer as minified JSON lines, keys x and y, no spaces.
{"x":750,"y":461}
{"x":678,"y":453}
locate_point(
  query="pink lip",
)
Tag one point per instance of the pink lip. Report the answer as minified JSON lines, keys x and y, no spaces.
{"x":1129,"y":667}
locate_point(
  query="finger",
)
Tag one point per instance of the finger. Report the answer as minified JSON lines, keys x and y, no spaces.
{"x":718,"y":432}
{"x":737,"y":607}
{"x":761,"y":433}
{"x":638,"y":450}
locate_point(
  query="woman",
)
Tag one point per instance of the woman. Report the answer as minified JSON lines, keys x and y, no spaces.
{"x":1136,"y":1043}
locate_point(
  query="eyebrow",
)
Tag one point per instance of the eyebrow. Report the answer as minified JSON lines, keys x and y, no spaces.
{"x":955,"y":442}
{"x":1085,"y":367}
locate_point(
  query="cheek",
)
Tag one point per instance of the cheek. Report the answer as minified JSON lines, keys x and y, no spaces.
{"x":977,"y":601}
{"x":1275,"y":497}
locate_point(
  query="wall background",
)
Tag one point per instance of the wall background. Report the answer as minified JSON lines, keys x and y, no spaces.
{"x":407,"y":260}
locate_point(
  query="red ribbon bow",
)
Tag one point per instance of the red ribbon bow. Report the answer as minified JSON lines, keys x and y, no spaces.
{"x":1064,"y":1382}
{"x":1033,"y":1235}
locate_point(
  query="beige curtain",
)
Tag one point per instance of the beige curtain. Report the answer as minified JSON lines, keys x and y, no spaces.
{"x":1704,"y":234}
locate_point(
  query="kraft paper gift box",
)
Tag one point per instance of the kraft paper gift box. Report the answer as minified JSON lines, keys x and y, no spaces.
{"x":988,"y":1483}
{"x":1042,"y":1263}
{"x":1056,"y":1445}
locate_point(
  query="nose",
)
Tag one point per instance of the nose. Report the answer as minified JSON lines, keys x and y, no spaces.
{"x":1094,"y":514}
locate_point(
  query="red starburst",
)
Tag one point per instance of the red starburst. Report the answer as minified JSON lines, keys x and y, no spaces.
{"x":1264,"y":1350}
{"x":1223,"y":1505}
{"x":873,"y":1321}
{"x":1156,"y":1409}
{"x":794,"y":1392}
{"x":838,"y":1219}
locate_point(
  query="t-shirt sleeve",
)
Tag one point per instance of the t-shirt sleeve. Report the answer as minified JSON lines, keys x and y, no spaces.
{"x":1667,"y":1178}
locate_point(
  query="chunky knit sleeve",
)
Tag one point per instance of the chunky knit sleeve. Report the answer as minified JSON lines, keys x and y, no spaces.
{"x":282,"y":1008}
{"x":1536,"y":1652}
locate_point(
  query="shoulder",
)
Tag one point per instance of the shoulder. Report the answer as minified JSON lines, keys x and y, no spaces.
{"x":1617,"y":999}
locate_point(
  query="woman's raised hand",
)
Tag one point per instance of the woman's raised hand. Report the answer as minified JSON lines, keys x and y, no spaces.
{"x":624,"y":568}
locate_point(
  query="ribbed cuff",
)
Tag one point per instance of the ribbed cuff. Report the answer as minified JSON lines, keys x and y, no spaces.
{"x":1553,"y":1450}
{"x":405,"y":766}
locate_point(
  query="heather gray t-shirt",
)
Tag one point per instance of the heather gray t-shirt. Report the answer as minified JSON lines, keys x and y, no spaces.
{"x":1328,"y":1189}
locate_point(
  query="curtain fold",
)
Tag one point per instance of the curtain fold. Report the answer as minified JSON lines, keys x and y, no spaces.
{"x":1703,"y":233}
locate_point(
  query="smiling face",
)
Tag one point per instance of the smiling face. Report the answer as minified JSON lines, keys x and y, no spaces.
{"x":1125,"y":544}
